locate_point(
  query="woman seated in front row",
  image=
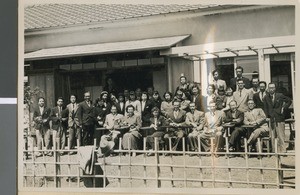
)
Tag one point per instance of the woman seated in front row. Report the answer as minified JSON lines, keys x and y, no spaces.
{"x":134,"y":123}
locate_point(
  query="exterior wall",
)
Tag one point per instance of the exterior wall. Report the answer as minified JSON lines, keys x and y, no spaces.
{"x":45,"y":83}
{"x":179,"y":66}
{"x":160,"y":81}
{"x":204,"y":29}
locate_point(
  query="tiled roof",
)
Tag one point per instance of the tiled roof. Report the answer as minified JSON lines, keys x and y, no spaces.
{"x":104,"y":48}
{"x":63,"y":15}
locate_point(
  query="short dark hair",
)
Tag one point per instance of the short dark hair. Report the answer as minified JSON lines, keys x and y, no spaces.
{"x":213,"y":87}
{"x":60,"y":98}
{"x":41,"y":98}
{"x":155,"y":109}
{"x":239,"y":80}
{"x":129,"y":106}
{"x":73,"y":95}
{"x":272,"y":83}
{"x":239,"y":67}
{"x":145,"y":93}
{"x":262,"y":82}
{"x":214,"y":71}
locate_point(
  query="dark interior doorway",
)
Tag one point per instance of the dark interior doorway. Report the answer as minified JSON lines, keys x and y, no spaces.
{"x":132,"y":79}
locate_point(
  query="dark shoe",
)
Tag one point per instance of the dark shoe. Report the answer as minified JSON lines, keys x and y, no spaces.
{"x":38,"y":154}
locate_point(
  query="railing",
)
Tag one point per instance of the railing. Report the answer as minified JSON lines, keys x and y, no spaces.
{"x":176,"y":169}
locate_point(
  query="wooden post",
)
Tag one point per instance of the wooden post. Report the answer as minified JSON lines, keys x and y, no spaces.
{"x":158,"y":183}
{"x":259,"y":144}
{"x":69,"y":159}
{"x":200,"y":161}
{"x":184,"y":163}
{"x":247,"y":160}
{"x":144,"y":158}
{"x":212,"y":162}
{"x":57,"y":160}
{"x":228,"y":161}
{"x":78,"y":169}
{"x":119,"y":166}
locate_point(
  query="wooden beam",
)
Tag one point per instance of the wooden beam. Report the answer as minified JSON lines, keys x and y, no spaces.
{"x":218,"y":46}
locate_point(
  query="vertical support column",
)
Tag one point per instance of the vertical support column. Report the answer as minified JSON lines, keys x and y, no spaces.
{"x":197,"y":72}
{"x":293,"y":74}
{"x":204,"y":76}
{"x":267,"y":66}
{"x":261,"y":67}
{"x":169,"y":74}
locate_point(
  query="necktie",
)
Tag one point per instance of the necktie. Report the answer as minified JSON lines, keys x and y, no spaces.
{"x":176,"y":114}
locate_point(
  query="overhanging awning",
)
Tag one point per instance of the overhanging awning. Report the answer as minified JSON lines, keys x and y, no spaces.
{"x":106,"y":48}
{"x":246,"y":47}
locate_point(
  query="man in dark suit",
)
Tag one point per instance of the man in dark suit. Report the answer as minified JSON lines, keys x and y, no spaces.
{"x":41,"y":117}
{"x":73,"y":122}
{"x":177,"y":119}
{"x":197,"y":98}
{"x":236,"y":117}
{"x":87,"y":117}
{"x":156,"y":122}
{"x":121,"y":104}
{"x":258,"y":98}
{"x":276,"y":104}
{"x":239,"y":75}
{"x":146,"y":109}
{"x":59,"y":125}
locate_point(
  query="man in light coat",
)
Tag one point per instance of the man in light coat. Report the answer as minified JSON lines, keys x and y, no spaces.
{"x":195,"y":119}
{"x":242,"y":95}
{"x":256,"y":118}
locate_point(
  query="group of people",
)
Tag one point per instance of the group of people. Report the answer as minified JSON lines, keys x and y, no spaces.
{"x":242,"y":102}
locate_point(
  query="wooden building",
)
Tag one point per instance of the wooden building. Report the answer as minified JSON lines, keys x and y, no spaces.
{"x":72,"y":48}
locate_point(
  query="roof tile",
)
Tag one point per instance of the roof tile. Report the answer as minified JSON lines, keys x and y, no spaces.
{"x":51,"y":15}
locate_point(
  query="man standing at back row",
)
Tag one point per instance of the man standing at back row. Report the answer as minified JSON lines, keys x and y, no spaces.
{"x":73,"y":123}
{"x":276,"y":104}
{"x":239,"y":76}
{"x":86,"y":116}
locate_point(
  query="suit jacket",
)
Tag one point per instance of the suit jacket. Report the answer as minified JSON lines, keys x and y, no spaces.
{"x":86,"y":115}
{"x":72,"y":114}
{"x":242,"y":99}
{"x":120,"y":110}
{"x":59,"y":120}
{"x":197,"y":117}
{"x":234,"y":86}
{"x":166,"y":107}
{"x":213,"y":122}
{"x":228,"y":117}
{"x":146,"y":113}
{"x":199,"y":103}
{"x":276,"y":110}
{"x":40,"y":125}
{"x":259,"y":102}
{"x":258,"y":116}
{"x":113,"y":121}
{"x":161,"y":121}
{"x":180,"y":119}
